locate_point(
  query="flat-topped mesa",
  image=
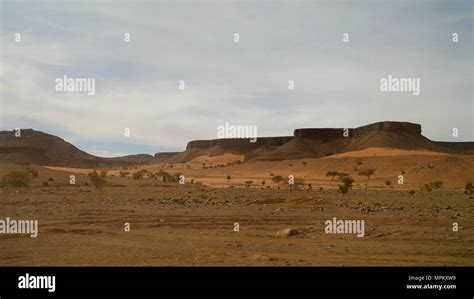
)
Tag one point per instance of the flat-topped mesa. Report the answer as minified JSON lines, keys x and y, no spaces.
{"x":165,"y":155}
{"x":239,"y":145}
{"x":327,"y":134}
{"x":389,"y":126}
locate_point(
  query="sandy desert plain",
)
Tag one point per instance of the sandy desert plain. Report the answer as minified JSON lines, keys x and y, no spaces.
{"x":193,"y":224}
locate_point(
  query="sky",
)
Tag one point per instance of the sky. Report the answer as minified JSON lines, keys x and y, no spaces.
{"x":337,"y":83}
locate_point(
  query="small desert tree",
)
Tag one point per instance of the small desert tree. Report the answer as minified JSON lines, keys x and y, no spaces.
{"x":367,"y":173}
{"x":98,"y":181}
{"x":331,"y":174}
{"x":228,"y":177}
{"x":277,"y":179}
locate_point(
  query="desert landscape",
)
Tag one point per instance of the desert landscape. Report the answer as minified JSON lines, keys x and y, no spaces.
{"x":231,"y":202}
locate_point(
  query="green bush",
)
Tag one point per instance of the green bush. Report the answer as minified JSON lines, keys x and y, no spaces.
{"x":98,"y":181}
{"x":16,"y":179}
{"x":346,"y":184}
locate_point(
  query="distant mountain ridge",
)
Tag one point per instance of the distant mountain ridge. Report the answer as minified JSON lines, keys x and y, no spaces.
{"x":321,"y":142}
{"x":44,"y":149}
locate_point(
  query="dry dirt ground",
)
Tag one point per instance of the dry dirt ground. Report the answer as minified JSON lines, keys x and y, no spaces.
{"x":194,"y":225}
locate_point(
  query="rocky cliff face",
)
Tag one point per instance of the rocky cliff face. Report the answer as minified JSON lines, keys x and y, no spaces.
{"x":325,"y":135}
{"x":241,"y":145}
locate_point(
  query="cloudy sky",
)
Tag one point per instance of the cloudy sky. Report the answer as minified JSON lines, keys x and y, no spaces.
{"x":336,"y":84}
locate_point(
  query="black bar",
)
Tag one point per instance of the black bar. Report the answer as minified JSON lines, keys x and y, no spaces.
{"x":223,"y":282}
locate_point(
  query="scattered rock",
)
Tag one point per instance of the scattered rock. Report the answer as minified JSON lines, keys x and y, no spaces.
{"x":287,"y":232}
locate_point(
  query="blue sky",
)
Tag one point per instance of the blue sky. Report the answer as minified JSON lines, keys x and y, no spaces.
{"x":245,"y":83}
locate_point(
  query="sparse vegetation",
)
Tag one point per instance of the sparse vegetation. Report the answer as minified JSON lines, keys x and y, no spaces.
{"x":16,"y":179}
{"x":124,"y":173}
{"x":332,"y":174}
{"x":433,"y":185}
{"x":138,"y":175}
{"x":436,"y":184}
{"x":277,"y":179}
{"x":98,"y":181}
{"x":346,"y":184}
{"x":32,"y":171}
{"x":248,"y":183}
{"x":469,"y":188}
{"x":367,"y":173}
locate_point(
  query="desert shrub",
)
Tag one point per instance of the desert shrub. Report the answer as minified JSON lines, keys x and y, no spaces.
{"x":342,"y":174}
{"x":299,"y":182}
{"x":16,"y":179}
{"x":469,"y":188}
{"x":344,"y":189}
{"x":228,"y":177}
{"x":32,"y":171}
{"x":436,"y":184}
{"x":248,"y":183}
{"x":426,"y":187}
{"x":98,"y":181}
{"x":192,"y":181}
{"x":263,"y":183}
{"x":151,"y":175}
{"x":124,"y":173}
{"x":138,"y":175}
{"x":346,"y":184}
{"x":103,"y":174}
{"x":304,"y":163}
{"x":45,"y":184}
{"x":412,"y":192}
{"x":176,"y":176}
{"x":433,"y":185}
{"x":388,"y":182}
{"x":50,"y":179}
{"x":367,"y":173}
